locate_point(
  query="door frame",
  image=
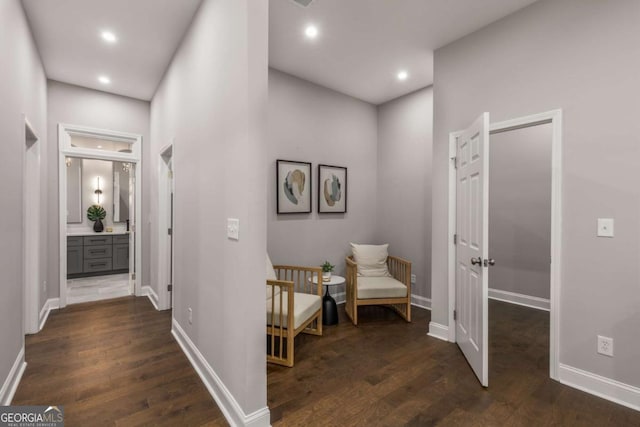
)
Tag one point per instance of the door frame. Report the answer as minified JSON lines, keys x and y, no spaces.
{"x":65,"y":131}
{"x":31,"y":227}
{"x":166,"y":156}
{"x":554,"y":117}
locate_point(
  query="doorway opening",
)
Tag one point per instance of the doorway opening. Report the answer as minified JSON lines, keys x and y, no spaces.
{"x":99,"y":195}
{"x":31,"y":229}
{"x":469,"y":293}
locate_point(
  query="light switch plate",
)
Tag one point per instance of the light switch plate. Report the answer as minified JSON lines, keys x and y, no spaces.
{"x":233,"y":228}
{"x":605,"y":227}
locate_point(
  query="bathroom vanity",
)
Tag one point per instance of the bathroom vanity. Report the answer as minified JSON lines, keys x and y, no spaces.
{"x":97,"y":254}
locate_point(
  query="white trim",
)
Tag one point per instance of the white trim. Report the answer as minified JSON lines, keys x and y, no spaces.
{"x":439,"y":331}
{"x":50,"y":304}
{"x":10,"y":384}
{"x":555,"y":118}
{"x":420,"y":301}
{"x":340,"y":297}
{"x":151,"y":294}
{"x":606,"y":388}
{"x":31,"y":230}
{"x":519,"y":299}
{"x":453,"y":150}
{"x":226,"y":402}
{"x":65,"y":149}
{"x":165,"y":156}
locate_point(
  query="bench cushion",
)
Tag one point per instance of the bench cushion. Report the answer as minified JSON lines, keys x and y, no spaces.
{"x":371,"y":259}
{"x":380,"y":287}
{"x":304,"y":305}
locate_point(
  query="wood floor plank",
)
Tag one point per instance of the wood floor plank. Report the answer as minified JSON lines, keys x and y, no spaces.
{"x":386,"y":372}
{"x":114,"y":363}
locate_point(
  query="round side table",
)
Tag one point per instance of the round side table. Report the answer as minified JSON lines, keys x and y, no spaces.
{"x":329,"y":307}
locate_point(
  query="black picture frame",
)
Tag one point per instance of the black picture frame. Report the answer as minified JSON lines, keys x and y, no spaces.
{"x":295,"y":196}
{"x":332,"y":189}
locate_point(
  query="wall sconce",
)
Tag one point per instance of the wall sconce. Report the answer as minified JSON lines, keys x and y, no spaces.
{"x":98,"y":191}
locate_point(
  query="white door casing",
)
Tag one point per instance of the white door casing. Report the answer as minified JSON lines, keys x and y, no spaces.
{"x":472,"y":225}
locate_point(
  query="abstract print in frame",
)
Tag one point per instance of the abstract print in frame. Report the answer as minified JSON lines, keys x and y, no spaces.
{"x":293,"y":192}
{"x":332,"y":189}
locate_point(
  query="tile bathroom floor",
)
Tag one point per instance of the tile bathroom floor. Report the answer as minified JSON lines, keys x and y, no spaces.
{"x":97,"y":288}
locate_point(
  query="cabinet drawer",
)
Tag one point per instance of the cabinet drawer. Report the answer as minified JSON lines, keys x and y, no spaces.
{"x":98,"y":251}
{"x":74,"y":240}
{"x":97,"y":240}
{"x":93,"y":265}
{"x":121,"y":239}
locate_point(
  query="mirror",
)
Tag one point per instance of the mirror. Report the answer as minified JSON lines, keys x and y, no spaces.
{"x":121,"y":193}
{"x":74,"y":190}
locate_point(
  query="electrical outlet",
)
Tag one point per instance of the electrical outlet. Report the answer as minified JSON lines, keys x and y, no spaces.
{"x":190,"y":316}
{"x":605,"y":345}
{"x":413,"y":278}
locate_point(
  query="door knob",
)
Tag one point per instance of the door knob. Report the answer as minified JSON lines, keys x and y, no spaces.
{"x":476,"y":261}
{"x":488,"y":262}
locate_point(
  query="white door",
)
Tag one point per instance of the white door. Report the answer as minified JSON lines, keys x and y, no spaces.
{"x":472,"y":229}
{"x":132,"y":228}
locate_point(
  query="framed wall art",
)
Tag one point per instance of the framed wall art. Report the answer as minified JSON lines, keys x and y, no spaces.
{"x":332,"y":189}
{"x":293,"y":192}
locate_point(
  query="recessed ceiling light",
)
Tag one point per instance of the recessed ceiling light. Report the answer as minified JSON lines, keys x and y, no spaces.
{"x":403,"y":75}
{"x":108,"y":36}
{"x":311,"y":32}
{"x":104,"y":80}
{"x":99,"y":146}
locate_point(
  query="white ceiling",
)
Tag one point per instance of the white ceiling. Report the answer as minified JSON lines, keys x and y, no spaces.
{"x":67,"y":33}
{"x":362,"y":44}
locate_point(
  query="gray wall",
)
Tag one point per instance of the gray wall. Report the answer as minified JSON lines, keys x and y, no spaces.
{"x":405,"y":128}
{"x":520,"y":210}
{"x":582,"y":56}
{"x":212,"y":102}
{"x":313,"y":124}
{"x":87,"y":107}
{"x":22,"y":91}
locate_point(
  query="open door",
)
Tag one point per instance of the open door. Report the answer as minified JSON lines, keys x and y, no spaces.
{"x":132,"y":228}
{"x":472,"y":229}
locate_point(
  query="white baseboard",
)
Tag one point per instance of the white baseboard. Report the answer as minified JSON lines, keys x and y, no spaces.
{"x":151,"y":294}
{"x":606,"y":388}
{"x":439,"y":331}
{"x":10,"y":384}
{"x":421,"y":302}
{"x":50,"y":304}
{"x":223,"y":397}
{"x":520,"y":299}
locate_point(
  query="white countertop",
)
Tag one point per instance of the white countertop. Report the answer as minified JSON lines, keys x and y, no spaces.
{"x":93,"y":233}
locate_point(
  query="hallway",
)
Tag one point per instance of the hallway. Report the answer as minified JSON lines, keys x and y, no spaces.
{"x":114,"y":363}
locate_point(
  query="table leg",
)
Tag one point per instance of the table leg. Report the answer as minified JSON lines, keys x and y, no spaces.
{"x":329,"y":309}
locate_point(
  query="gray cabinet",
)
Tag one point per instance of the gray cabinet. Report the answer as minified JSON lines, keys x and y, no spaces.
{"x":121,"y":257}
{"x":97,"y":255}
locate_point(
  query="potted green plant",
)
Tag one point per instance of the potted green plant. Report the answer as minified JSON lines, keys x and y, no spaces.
{"x":327,"y":268}
{"x":96,"y":213}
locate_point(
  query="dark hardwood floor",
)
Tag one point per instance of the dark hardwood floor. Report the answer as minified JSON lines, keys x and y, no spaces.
{"x":386,"y":372}
{"x":114,"y":363}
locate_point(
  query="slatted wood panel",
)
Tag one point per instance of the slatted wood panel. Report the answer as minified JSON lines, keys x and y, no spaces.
{"x":114,"y":363}
{"x":387,"y":372}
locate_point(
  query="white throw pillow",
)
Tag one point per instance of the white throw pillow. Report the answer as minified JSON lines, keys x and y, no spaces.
{"x":271,"y":275}
{"x":371,"y":259}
